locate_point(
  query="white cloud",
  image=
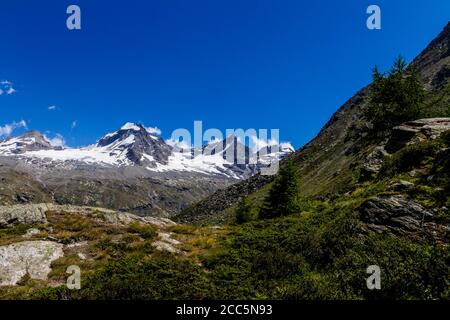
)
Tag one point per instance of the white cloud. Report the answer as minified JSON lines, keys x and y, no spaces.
{"x":6,"y":87}
{"x":258,"y":144}
{"x":153,"y":130}
{"x":56,"y":141}
{"x":11,"y":91}
{"x":74,"y":124}
{"x":53,"y":107}
{"x":8,"y":128}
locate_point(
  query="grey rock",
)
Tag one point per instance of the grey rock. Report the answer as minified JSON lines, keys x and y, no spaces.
{"x":397,"y":215}
{"x":167,"y":243}
{"x":402,"y":185}
{"x":416,"y":131}
{"x":164,"y":246}
{"x":23,"y":214}
{"x":111,"y":216}
{"x":373,"y":163}
{"x":31,"y":232}
{"x":30,"y":257}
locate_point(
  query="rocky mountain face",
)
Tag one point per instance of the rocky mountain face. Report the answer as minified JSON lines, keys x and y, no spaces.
{"x":131,"y":169}
{"x":327,"y":164}
{"x":398,"y":215}
{"x":30,"y":141}
{"x":137,"y":145}
{"x":402,"y":136}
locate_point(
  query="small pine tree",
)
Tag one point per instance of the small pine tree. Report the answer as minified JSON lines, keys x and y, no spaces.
{"x":244,"y":211}
{"x":283,"y":199}
{"x":396,"y":97}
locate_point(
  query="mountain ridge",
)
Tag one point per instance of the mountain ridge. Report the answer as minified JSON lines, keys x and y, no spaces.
{"x":131,"y":169}
{"x":327,"y":164}
{"x":134,"y":145}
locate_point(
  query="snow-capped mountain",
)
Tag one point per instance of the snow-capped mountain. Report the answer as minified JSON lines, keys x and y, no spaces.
{"x":30,"y":141}
{"x":133,"y":145}
{"x":131,"y":169}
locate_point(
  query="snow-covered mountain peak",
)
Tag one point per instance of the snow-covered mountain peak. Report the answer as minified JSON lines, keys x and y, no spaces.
{"x":131,"y":126}
{"x":137,"y":144}
{"x":134,"y":145}
{"x":30,"y":141}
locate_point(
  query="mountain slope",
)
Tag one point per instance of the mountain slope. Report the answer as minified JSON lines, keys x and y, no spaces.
{"x":329,"y":164}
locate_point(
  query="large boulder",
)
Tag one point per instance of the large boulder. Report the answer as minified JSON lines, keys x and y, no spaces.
{"x":30,"y":257}
{"x":398,"y":215}
{"x":406,"y":134}
{"x":373,"y":164}
{"x":23,"y":214}
{"x":416,"y":131}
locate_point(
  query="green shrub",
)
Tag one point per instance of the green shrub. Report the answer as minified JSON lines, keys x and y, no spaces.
{"x":146,"y":231}
{"x":245,"y":211}
{"x":283,"y":198}
{"x":139,"y":278}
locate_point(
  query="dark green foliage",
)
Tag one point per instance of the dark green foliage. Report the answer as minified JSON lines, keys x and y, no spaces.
{"x":245,"y":211}
{"x":437,"y":104}
{"x":323,"y":256}
{"x":440,"y":171}
{"x":135,"y":277}
{"x":445,"y":138}
{"x":396,"y":97}
{"x":409,"y":157}
{"x":276,"y":263}
{"x":283,"y":197}
{"x":409,"y":270}
{"x":146,"y":231}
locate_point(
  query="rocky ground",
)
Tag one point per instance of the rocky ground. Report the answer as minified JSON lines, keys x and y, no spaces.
{"x":35,"y":236}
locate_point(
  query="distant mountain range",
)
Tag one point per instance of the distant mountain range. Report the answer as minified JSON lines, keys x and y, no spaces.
{"x":135,"y":146}
{"x":163,"y":179}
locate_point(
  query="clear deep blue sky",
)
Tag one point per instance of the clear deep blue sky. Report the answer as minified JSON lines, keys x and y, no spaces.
{"x":230,"y":63}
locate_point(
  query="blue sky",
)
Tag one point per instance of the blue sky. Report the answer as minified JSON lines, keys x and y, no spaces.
{"x":232,"y":64}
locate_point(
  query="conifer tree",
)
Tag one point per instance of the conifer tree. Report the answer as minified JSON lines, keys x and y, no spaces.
{"x":283,"y":196}
{"x":244,"y":211}
{"x":396,"y":97}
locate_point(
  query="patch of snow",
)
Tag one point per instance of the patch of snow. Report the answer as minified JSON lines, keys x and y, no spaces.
{"x":153,"y":131}
{"x":212,"y":164}
{"x":109,"y":135}
{"x":148,"y":157}
{"x":7,"y":147}
{"x":130,"y":126}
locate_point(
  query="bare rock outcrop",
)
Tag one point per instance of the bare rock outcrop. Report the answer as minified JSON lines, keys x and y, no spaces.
{"x":167,"y":243}
{"x":404,"y":135}
{"x":112,"y":216}
{"x":416,"y":131}
{"x":398,"y":215}
{"x":30,"y":257}
{"x":22,"y":214}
